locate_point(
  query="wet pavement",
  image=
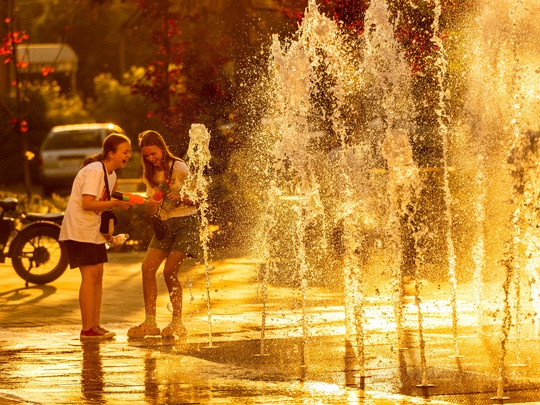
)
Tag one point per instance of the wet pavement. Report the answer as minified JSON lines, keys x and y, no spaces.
{"x":224,"y":360}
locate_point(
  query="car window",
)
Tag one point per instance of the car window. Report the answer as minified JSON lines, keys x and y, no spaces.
{"x":73,"y":140}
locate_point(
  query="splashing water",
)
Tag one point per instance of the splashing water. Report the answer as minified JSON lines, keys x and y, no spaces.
{"x":340,"y":186}
{"x":337,"y":190}
{"x":196,"y":188}
{"x":403,"y":189}
{"x":478,"y":249}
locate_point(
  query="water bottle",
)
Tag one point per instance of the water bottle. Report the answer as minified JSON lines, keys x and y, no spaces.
{"x":117,"y":240}
{"x":120,"y":239}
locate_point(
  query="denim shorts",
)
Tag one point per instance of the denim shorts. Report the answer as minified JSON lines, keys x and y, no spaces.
{"x":183,"y":235}
{"x":85,"y":254}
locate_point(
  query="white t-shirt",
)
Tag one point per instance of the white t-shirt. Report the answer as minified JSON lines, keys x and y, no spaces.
{"x":178,"y":177}
{"x":80,"y":225}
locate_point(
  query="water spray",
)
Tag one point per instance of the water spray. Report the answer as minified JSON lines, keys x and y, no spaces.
{"x":196,"y":188}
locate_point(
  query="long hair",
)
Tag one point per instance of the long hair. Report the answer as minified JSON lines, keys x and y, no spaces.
{"x":110,"y":144}
{"x":153,"y":138}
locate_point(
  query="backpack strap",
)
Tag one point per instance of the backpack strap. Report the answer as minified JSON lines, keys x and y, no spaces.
{"x":172,"y":167}
{"x":106,"y":181}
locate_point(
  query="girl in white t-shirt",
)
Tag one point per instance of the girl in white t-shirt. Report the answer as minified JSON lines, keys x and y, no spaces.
{"x":81,"y":227}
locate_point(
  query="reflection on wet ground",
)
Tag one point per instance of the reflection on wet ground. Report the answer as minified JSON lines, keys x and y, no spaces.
{"x":318,"y":370}
{"x":92,"y":384}
{"x":156,"y":372}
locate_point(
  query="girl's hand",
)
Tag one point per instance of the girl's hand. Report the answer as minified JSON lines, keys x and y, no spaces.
{"x":123,"y":205}
{"x":177,"y":198}
{"x":152,"y":206}
{"x":171,"y":195}
{"x":152,"y":203}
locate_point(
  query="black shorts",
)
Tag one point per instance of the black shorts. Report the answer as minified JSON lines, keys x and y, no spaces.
{"x":85,"y":254}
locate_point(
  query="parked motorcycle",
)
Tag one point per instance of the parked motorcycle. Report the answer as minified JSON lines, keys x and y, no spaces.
{"x":30,"y":240}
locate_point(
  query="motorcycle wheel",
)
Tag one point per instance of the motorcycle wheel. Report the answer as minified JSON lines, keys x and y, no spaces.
{"x":37,"y":255}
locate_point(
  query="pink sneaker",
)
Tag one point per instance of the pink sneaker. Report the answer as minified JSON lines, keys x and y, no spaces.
{"x":93,"y":334}
{"x":107,"y":332}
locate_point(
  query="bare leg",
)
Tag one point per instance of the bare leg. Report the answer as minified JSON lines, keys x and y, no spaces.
{"x":98,"y":293}
{"x":170,"y":272}
{"x":90,"y":293}
{"x":150,"y":265}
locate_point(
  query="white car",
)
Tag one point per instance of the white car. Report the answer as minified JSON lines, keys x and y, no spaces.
{"x":65,"y":147}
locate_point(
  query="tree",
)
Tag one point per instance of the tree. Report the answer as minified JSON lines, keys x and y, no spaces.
{"x":186,"y":79}
{"x":11,"y":40}
{"x":99,"y":32}
{"x":163,"y":82}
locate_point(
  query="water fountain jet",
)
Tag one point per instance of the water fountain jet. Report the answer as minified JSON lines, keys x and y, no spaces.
{"x":196,"y":189}
{"x":337,"y":157}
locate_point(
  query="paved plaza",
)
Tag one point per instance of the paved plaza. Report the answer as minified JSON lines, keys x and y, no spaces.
{"x":225,"y":361}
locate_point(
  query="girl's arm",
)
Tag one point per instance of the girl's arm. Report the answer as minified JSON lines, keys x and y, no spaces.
{"x":179,"y":176}
{"x":90,"y":203}
{"x":151,"y":204}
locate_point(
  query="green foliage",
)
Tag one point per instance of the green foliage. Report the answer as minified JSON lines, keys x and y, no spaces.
{"x":164,"y":81}
{"x":10,"y":154}
{"x":62,"y":109}
{"x":36,"y":203}
{"x":114,"y":102}
{"x":100,"y":34}
{"x":43,"y":107}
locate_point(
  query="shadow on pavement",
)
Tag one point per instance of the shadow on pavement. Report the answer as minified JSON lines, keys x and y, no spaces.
{"x":24,"y":294}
